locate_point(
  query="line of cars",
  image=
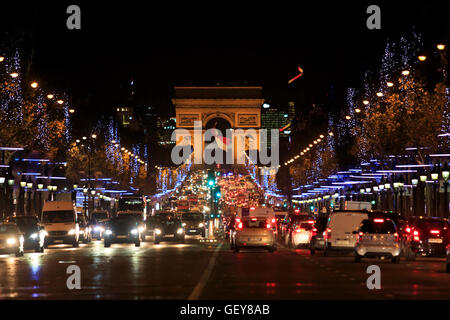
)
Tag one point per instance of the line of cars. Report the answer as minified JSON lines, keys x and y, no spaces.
{"x":368,"y":234}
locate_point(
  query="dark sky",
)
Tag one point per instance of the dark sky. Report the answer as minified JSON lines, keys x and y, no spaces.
{"x":174,"y":44}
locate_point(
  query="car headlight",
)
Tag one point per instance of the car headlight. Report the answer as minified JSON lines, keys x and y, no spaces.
{"x":82,"y":231}
{"x":11,"y":241}
{"x":108,"y":232}
{"x":134,"y":231}
{"x":180,"y":230}
{"x":158,"y":231}
{"x":72,"y":231}
{"x":44,"y":233}
{"x":201,"y":225}
{"x":34,"y":236}
{"x":184,"y":224}
{"x":141,"y":229}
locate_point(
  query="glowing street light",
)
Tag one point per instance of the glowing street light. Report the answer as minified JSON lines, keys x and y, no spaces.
{"x":72,"y":110}
{"x":34,"y":85}
{"x":441,"y":46}
{"x":348,"y":117}
{"x":366,"y":102}
{"x":94,"y":136}
{"x":422,"y":58}
{"x":50,"y":96}
{"x":60,"y":101}
{"x":405,"y":72}
{"x":390,"y":84}
{"x":14,"y":74}
{"x":379,"y":94}
{"x":2,"y":58}
{"x":322,"y":136}
{"x":357,"y":110}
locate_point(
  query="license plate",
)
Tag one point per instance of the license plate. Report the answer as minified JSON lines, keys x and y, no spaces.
{"x":193,"y":230}
{"x":121,"y":237}
{"x":58,"y":241}
{"x":434,"y":240}
{"x":170,"y":235}
{"x":342,"y":242}
{"x":254,"y":239}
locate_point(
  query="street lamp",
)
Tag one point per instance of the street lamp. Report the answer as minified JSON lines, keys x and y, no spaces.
{"x":422,"y":58}
{"x":441,"y":46}
{"x":445,"y":176}
{"x":435,"y":178}
{"x":34,"y":85}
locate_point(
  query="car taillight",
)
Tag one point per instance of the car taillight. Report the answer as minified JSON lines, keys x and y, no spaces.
{"x":396,"y":237}
{"x":310,"y":221}
{"x":268,"y":226}
{"x":314,"y":231}
{"x":240,"y":225}
{"x":273,"y":220}
{"x":408,"y":229}
{"x":416,"y":235}
{"x":378,"y":220}
{"x":435,"y":232}
{"x":327,"y":233}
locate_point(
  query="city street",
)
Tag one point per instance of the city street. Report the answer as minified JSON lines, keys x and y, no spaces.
{"x":174,"y":271}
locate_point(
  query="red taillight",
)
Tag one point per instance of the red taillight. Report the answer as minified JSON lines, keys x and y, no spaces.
{"x":310,"y":221}
{"x":327,"y":233}
{"x":408,"y":229}
{"x":252,"y":208}
{"x":435,"y":232}
{"x":296,"y":210}
{"x":416,"y":235}
{"x":361,"y":234}
{"x":273,"y":220}
{"x":268,"y":226}
{"x":240,"y":225}
{"x":253,"y":219}
{"x":396,"y":237}
{"x":238,"y":220}
{"x":378,"y":220}
{"x":314,"y":231}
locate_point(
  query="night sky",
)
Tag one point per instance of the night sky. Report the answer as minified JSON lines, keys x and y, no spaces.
{"x":173,"y":44}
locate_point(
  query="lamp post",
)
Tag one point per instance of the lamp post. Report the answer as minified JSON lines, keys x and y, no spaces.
{"x":29,"y":191}
{"x":395,"y":184}
{"x":85,"y":191}
{"x":40,"y":189}
{"x":10,"y":196}
{"x":21,"y":203}
{"x":3,"y":196}
{"x":414,"y":182}
{"x":435,"y":178}
{"x":423,"y":183}
{"x":387,"y":187}
{"x":445,"y":176}
{"x":401,"y":183}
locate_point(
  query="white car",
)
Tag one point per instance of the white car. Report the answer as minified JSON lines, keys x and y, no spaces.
{"x":339,"y":234}
{"x":300,"y":235}
{"x":253,"y":232}
{"x":378,"y":238}
{"x":59,"y":219}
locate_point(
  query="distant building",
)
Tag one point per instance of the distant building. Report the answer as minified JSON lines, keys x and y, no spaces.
{"x":165,"y":129}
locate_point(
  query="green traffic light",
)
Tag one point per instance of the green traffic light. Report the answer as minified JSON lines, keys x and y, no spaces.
{"x":211,"y":183}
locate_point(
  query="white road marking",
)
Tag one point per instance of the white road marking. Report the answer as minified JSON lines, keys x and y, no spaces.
{"x":195,"y":294}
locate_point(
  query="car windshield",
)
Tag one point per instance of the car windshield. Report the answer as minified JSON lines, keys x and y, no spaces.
{"x":123,"y":220}
{"x":100,"y":215}
{"x":58,"y":216}
{"x":26,"y":222}
{"x":321,"y":224}
{"x":432,"y":223}
{"x":8,"y":229}
{"x":372,"y":226}
{"x":254,"y":223}
{"x":193,"y":217}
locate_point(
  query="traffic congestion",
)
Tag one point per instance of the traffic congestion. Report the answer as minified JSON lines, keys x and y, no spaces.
{"x":215,"y":207}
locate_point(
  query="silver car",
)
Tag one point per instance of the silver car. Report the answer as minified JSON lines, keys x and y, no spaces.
{"x":377,"y":238}
{"x":253,"y":233}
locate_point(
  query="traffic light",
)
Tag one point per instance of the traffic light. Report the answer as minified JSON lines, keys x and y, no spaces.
{"x":216,"y":193}
{"x":211,"y":181}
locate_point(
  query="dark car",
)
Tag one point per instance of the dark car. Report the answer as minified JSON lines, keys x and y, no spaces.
{"x":317,"y":238}
{"x":97,"y":223}
{"x":448,"y":258}
{"x":33,"y":233}
{"x":11,"y":239}
{"x":426,"y":236}
{"x":194,"y":223}
{"x":168,"y":226}
{"x":122,"y":229}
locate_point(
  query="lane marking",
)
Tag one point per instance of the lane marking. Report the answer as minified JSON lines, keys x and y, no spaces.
{"x":195,"y":294}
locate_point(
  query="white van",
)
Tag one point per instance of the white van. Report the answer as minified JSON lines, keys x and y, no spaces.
{"x":59,"y":219}
{"x":339,"y":232}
